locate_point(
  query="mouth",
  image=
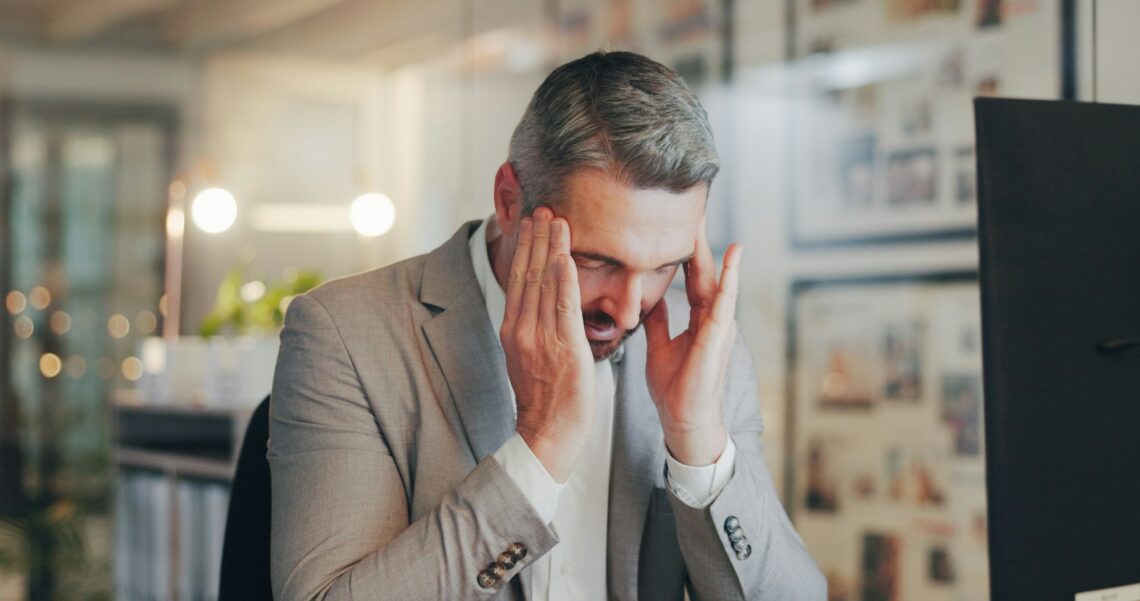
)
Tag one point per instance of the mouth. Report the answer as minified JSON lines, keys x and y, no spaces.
{"x":602,"y":332}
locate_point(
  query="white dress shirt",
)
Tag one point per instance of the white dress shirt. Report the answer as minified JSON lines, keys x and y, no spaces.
{"x":575,"y":569}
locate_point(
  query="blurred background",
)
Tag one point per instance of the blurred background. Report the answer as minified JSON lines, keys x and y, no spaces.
{"x":173,"y":171}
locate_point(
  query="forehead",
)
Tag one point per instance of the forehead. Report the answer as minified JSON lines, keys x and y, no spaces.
{"x":642,"y":228}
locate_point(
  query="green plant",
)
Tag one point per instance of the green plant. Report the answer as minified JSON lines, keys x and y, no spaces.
{"x":239,"y":309}
{"x":56,"y":538}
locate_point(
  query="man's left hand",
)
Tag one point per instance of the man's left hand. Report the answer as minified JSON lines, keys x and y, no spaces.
{"x":685,"y":374}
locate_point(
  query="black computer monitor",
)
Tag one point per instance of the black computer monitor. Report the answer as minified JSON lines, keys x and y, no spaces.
{"x":1059,"y":235}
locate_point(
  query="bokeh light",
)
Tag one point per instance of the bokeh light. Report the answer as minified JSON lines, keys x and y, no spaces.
{"x":118,"y":326}
{"x":132,"y":368}
{"x":16,"y":302}
{"x":24,"y":327}
{"x":60,"y":322}
{"x":146,"y":322}
{"x":50,"y":365}
{"x":39,"y":297}
{"x":372,"y":214}
{"x":214,"y":210}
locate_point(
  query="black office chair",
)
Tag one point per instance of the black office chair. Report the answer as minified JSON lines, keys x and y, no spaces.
{"x":245,"y":552}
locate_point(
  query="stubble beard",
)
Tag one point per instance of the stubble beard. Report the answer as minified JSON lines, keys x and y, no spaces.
{"x":604,"y":349}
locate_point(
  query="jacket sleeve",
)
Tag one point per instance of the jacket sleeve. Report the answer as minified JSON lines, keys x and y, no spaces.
{"x":773,"y":564}
{"x":340,"y":509}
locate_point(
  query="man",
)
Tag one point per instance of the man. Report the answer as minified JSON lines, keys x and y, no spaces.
{"x":490,"y":421}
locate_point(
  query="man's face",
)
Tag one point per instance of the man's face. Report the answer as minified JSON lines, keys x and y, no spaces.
{"x":627,"y":244}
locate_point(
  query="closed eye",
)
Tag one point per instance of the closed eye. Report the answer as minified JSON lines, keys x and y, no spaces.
{"x":593,"y":265}
{"x":591,"y":262}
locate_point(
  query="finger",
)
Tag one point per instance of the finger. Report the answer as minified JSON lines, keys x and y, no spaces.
{"x":548,"y":298}
{"x":539,"y":248}
{"x":569,"y":306}
{"x":724,"y":305}
{"x":657,"y":325}
{"x":700,"y":272}
{"x":516,"y":279}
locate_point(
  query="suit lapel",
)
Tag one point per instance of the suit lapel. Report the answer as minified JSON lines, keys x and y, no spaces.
{"x":465,"y":347}
{"x":468,"y":352}
{"x":472,"y":362}
{"x":637,"y":465}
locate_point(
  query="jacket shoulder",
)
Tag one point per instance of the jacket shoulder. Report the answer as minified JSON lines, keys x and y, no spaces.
{"x":375,"y":302}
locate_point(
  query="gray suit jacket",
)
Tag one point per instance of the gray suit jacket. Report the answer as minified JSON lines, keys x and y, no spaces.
{"x":389,"y":397}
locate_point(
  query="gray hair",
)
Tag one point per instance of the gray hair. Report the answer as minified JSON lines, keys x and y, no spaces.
{"x":619,"y":112}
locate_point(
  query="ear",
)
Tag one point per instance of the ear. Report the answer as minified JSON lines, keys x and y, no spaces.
{"x":508,"y":199}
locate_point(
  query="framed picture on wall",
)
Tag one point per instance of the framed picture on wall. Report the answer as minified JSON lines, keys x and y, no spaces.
{"x":887,"y":478}
{"x":881,"y":129}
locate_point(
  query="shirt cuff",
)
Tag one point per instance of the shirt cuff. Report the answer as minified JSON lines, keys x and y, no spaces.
{"x":516,"y":458}
{"x":700,"y":486}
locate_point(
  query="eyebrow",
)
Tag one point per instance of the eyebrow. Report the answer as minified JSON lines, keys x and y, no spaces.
{"x":616,"y":263}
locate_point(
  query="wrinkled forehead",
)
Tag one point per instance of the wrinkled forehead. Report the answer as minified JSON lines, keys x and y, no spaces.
{"x":641,"y":228}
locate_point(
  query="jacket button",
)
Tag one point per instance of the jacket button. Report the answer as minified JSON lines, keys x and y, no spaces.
{"x":740,"y":545}
{"x":517,"y":550}
{"x":732,"y":523}
{"x":485,"y":579}
{"x":736,"y":535}
{"x":745,"y":554}
{"x":496,"y":571}
{"x":506,"y":560}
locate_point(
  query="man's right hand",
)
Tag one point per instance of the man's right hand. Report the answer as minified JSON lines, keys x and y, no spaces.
{"x":548,"y":357}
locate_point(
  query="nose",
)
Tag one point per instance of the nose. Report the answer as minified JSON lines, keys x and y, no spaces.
{"x":624,"y":305}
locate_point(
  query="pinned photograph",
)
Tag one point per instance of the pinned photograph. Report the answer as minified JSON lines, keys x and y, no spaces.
{"x":912,"y":478}
{"x":846,"y":381}
{"x":940,"y":568}
{"x":880,"y":567}
{"x":989,"y":14}
{"x":911,"y":10}
{"x":952,"y":69}
{"x":986,"y":86}
{"x":838,"y":367}
{"x":685,"y":21}
{"x":911,"y":177}
{"x":857,"y":172}
{"x":962,"y":411}
{"x":917,"y":115}
{"x":822,"y":492}
{"x":902,"y":361}
{"x":864,"y":476}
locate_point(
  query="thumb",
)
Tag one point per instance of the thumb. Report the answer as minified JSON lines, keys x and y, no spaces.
{"x":657,"y":325}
